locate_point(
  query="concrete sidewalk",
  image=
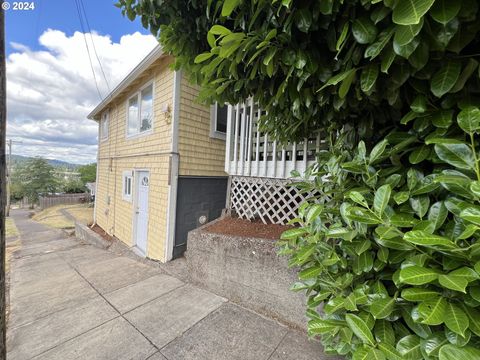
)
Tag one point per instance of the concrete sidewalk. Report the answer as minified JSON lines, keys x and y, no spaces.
{"x":70,"y":300}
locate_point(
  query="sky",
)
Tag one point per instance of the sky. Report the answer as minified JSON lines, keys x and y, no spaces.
{"x":50,"y":83}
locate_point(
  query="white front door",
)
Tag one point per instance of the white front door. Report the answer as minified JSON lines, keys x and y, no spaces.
{"x":141,"y":211}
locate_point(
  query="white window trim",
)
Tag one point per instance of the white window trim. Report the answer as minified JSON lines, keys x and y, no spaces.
{"x":104,"y":137}
{"x":137,"y":94}
{"x":213,"y":124}
{"x":127,"y":174}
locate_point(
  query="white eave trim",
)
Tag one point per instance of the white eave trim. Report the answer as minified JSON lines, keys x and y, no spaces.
{"x":154,"y":55}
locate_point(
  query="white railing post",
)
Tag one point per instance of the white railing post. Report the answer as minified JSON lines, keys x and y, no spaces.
{"x":305,"y":150}
{"x":235,"y":148}
{"x":265,"y":154}
{"x":250,"y":126}
{"x":228,"y":140}
{"x":274,"y":159}
{"x":242,"y":140}
{"x":257,"y":150}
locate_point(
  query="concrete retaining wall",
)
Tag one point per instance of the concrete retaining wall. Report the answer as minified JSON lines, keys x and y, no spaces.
{"x":83,"y":232}
{"x":246,"y":271}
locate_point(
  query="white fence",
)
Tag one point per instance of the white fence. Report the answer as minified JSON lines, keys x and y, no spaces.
{"x":251,"y":153}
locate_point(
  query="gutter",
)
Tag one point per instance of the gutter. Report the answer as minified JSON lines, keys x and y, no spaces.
{"x":173,"y":168}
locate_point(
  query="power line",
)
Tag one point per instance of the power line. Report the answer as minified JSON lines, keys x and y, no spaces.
{"x":93,"y":43}
{"x":88,"y":50}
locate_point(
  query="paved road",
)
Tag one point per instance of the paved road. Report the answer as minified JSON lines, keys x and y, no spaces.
{"x":71,"y":300}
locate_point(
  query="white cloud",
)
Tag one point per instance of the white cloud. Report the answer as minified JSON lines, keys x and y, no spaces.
{"x":51,"y":91}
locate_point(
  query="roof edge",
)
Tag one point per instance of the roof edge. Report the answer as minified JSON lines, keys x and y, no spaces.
{"x":154,"y":55}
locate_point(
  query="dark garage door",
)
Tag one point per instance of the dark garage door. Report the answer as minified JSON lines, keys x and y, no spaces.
{"x":197,"y":196}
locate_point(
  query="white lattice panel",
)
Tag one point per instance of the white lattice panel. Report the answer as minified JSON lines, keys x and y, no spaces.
{"x":268,"y":199}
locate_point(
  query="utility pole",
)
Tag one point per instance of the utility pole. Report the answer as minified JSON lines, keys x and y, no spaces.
{"x":9,"y":143}
{"x":3,"y":128}
{"x":9,"y":177}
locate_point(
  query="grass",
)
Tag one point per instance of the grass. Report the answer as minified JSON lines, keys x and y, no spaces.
{"x":53,"y":216}
{"x":82,"y":214}
{"x":10,"y":228}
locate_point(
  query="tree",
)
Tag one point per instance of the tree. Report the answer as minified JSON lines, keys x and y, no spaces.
{"x":35,"y":177}
{"x":73,"y":186}
{"x":88,"y":173}
{"x":389,"y":244}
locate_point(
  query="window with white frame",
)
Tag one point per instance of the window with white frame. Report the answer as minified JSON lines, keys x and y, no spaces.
{"x":127,"y":185}
{"x":104,"y":126}
{"x":140,"y":111}
{"x":218,"y":121}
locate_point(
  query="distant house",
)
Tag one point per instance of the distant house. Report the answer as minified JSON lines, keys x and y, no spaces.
{"x":91,"y":187}
{"x":160,"y":159}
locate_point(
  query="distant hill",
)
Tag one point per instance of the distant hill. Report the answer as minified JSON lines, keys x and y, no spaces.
{"x":56,"y":163}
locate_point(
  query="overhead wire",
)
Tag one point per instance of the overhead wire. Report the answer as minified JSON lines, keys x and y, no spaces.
{"x":93,"y":44}
{"x":88,"y":50}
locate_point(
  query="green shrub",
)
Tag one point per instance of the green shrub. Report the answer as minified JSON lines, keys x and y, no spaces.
{"x":390,"y":245}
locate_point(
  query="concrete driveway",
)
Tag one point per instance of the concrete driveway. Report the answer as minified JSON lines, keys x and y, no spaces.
{"x":71,"y":300}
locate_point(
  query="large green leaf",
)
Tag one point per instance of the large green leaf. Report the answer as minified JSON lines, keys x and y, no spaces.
{"x":382,"y":40}
{"x":471,"y":214}
{"x":334,"y":80}
{"x":420,"y":205}
{"x":474,"y":319}
{"x":405,"y":33}
{"x":431,"y":346}
{"x":432,"y":311}
{"x":368,"y":78}
{"x":410,"y":12}
{"x":442,"y":118}
{"x":390,"y":352}
{"x":456,"y":319}
{"x":419,"y":154}
{"x":382,"y":308}
{"x":452,"y":352}
{"x":445,"y":78}
{"x":469,"y":119}
{"x":445,"y":10}
{"x":364,"y":30}
{"x":381,"y":199}
{"x":409,"y":347}
{"x":458,"y":155}
{"x":424,"y":238}
{"x":465,"y":75}
{"x":229,"y":6}
{"x":418,"y":294}
{"x":345,"y":85}
{"x":458,"y":279}
{"x":437,"y":214}
{"x":360,"y":329}
{"x":383,"y":332}
{"x":363,"y":263}
{"x":363,"y":216}
{"x":417,"y":275}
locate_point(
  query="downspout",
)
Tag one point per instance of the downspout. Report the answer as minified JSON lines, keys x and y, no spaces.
{"x":173,"y":167}
{"x":96,"y":180}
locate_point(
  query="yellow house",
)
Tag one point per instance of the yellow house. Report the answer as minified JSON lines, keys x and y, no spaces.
{"x":160,"y":160}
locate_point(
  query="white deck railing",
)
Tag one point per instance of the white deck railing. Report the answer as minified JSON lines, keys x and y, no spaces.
{"x":251,"y":153}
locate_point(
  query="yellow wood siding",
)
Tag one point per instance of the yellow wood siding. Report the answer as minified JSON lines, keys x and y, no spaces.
{"x":200,"y":155}
{"x":143,"y":152}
